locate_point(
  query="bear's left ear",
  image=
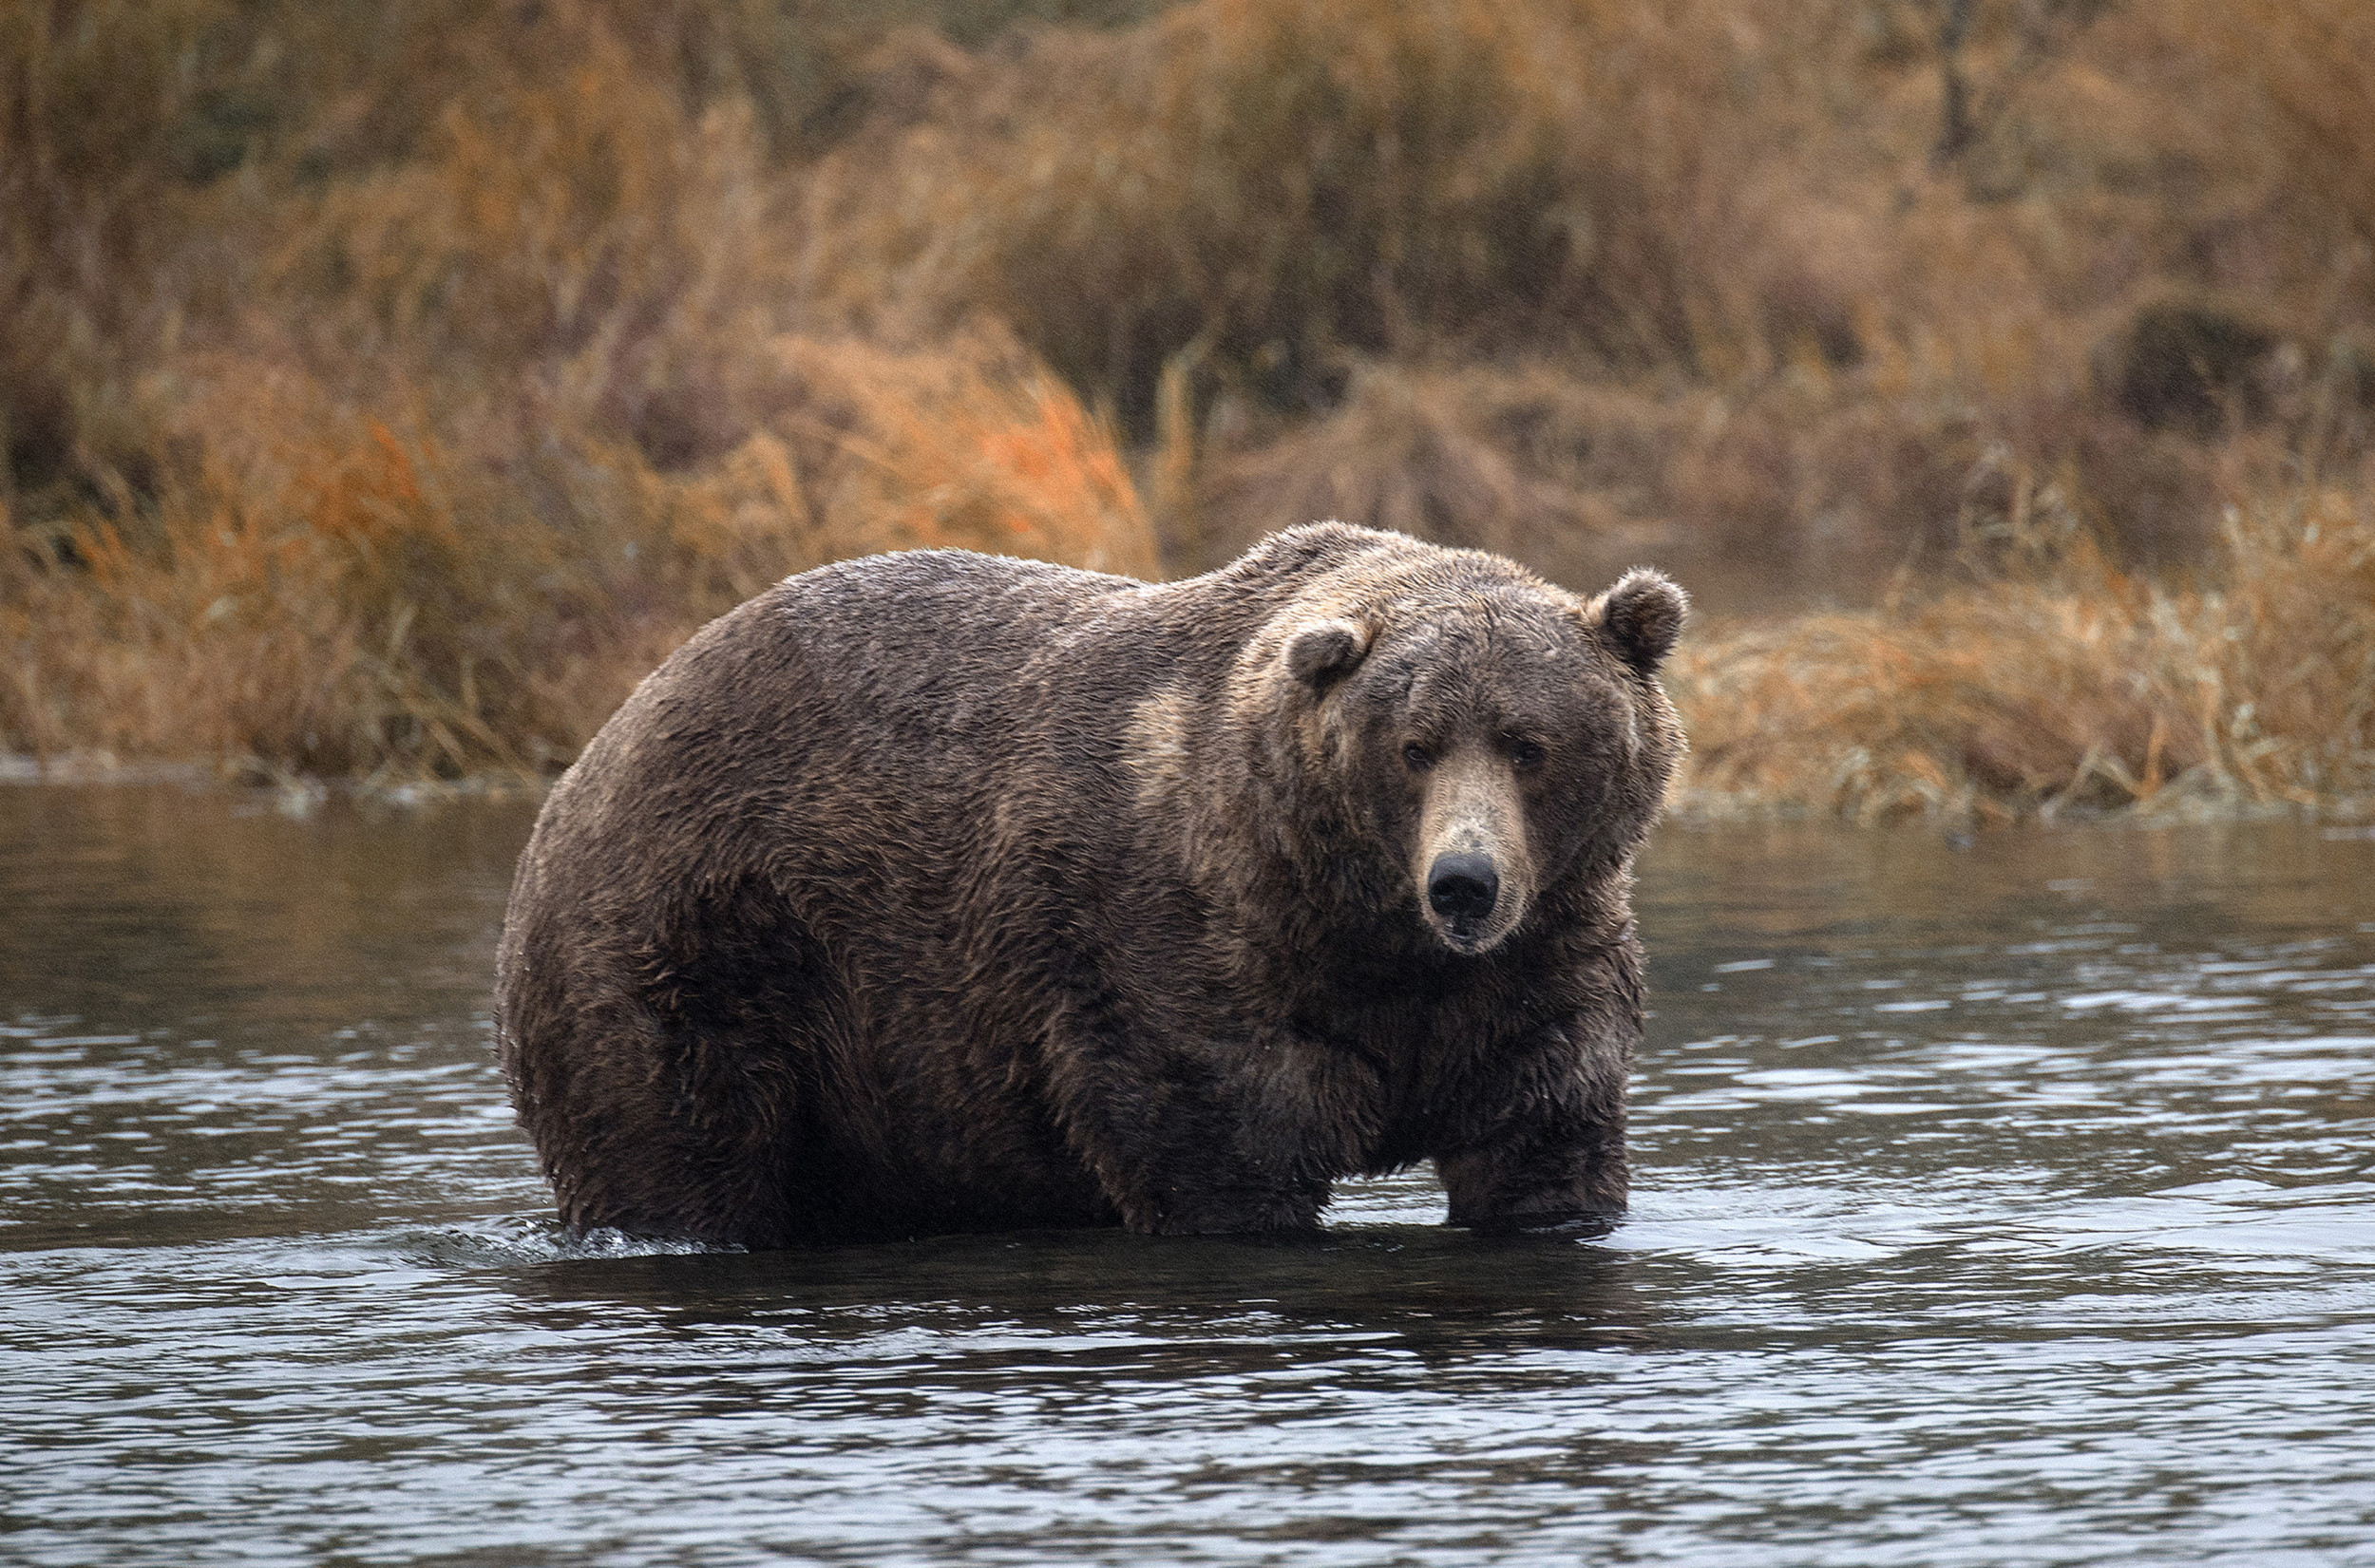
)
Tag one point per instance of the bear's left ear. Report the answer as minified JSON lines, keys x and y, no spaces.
{"x":1322,"y":655}
{"x":1640,"y":617}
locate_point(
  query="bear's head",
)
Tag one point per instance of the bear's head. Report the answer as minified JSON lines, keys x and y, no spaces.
{"x":1480,"y":735}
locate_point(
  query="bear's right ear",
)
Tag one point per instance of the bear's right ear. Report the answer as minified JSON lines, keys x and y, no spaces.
{"x":1323,"y":654}
{"x":1642,"y":617}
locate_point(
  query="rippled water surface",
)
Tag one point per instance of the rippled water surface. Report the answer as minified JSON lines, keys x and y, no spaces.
{"x":2012,"y":1204}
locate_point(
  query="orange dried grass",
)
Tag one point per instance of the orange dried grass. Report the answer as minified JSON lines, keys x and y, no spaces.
{"x":316,"y":593}
{"x":974,"y":449}
{"x":496,"y":369}
{"x":1266,"y":187}
{"x":2066,"y":683}
{"x":311,"y":600}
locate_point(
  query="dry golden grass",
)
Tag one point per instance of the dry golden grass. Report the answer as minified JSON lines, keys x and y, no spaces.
{"x":315,"y":593}
{"x":501,"y":421}
{"x":1267,"y":191}
{"x":2063,"y":681}
{"x":977,"y":449}
{"x":384,"y":390}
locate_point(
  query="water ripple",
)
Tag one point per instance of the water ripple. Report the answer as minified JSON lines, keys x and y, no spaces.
{"x":2007,"y":1205}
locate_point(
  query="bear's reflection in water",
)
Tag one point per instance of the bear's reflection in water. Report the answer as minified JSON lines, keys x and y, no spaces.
{"x":1190,"y":1305}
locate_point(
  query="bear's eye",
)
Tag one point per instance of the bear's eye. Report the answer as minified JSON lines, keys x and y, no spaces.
{"x":1525,"y":754}
{"x":1418,"y":757}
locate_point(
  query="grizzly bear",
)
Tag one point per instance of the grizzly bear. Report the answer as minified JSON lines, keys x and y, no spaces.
{"x":939,"y":892}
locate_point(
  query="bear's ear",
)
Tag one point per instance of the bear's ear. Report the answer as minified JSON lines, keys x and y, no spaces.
{"x":1323,"y":654}
{"x":1640,"y":617}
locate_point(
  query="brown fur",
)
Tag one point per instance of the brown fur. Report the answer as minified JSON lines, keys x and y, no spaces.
{"x":940,"y":892}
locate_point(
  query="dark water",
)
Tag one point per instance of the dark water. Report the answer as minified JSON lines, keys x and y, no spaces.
{"x":2010,"y":1205}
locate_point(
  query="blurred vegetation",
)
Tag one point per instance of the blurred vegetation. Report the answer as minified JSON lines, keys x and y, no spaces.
{"x":384,"y":388}
{"x":2062,"y":680}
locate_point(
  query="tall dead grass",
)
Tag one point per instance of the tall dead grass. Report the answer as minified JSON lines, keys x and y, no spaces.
{"x":2062,"y":681}
{"x":481,"y":431}
{"x":1268,"y":192}
{"x":382,"y":389}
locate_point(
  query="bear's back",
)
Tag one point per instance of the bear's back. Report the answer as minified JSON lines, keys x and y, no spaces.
{"x":905,"y":669}
{"x":928,"y":636}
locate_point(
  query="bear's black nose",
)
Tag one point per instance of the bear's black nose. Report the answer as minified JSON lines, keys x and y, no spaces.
{"x":1462,"y":887}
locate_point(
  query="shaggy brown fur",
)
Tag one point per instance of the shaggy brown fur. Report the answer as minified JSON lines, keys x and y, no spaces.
{"x":940,"y":892}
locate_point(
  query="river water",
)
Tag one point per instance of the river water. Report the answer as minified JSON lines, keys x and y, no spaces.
{"x":2009,"y":1203}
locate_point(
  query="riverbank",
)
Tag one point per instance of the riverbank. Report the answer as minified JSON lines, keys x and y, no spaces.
{"x":384,"y":391}
{"x":2062,"y":683}
{"x":2054,"y":683}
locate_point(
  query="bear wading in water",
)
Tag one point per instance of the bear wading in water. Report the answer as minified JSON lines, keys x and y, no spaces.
{"x":939,"y":892}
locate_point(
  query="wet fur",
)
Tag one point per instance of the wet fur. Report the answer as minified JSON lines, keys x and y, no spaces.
{"x":940,"y":892}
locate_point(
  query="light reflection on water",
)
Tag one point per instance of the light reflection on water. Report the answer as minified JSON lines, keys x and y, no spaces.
{"x":2005,"y":1205}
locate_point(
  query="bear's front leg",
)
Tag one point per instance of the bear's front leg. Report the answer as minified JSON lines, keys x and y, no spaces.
{"x":1187,"y":1201}
{"x":1203,"y":1170}
{"x":1556,"y":1158}
{"x":1192,"y":1139}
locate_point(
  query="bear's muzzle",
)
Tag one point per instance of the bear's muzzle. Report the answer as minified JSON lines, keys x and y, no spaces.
{"x":1473,"y":871}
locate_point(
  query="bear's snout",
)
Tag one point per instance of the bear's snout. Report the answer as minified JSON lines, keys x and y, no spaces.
{"x":1463,"y":888}
{"x":1472,"y":871}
